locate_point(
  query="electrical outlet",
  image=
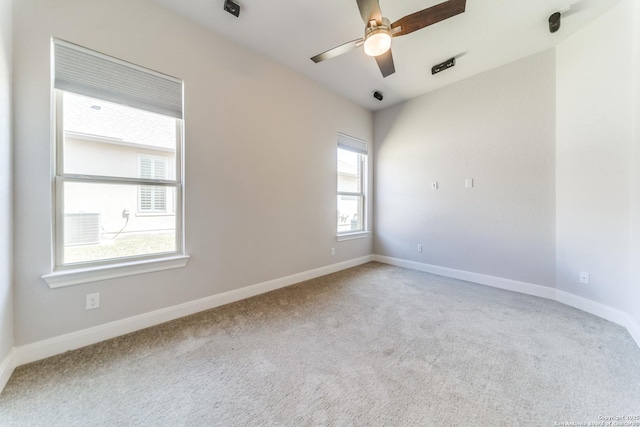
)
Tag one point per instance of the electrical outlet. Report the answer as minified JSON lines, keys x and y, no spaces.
{"x":434,"y":185}
{"x":468,"y":183}
{"x":333,"y":251}
{"x":419,"y":248}
{"x":584,"y":277}
{"x":93,"y":301}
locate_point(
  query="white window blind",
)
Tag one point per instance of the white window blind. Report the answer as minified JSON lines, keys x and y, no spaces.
{"x":347,"y":142}
{"x":86,"y":72}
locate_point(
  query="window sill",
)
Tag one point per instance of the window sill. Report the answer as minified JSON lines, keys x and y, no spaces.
{"x":352,"y":236}
{"x":62,"y":278}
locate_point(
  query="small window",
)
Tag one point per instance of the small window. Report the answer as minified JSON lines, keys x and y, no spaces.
{"x":118,"y":136}
{"x":352,"y":163}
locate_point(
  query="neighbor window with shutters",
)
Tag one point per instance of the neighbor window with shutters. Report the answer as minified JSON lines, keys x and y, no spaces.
{"x":352,"y":185}
{"x":118,"y":139}
{"x":152,"y":199}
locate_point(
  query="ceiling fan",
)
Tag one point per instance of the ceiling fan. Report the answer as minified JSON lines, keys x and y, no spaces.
{"x":378,"y":30}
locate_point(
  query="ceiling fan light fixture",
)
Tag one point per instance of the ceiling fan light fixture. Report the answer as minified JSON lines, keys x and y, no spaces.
{"x":377,"y":43}
{"x":377,"y":38}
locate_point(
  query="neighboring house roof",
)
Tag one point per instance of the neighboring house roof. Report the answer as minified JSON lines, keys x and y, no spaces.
{"x":117,"y":123}
{"x":345,"y":168}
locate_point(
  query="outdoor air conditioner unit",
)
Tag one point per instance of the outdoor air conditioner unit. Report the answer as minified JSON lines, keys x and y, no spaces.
{"x":81,"y":228}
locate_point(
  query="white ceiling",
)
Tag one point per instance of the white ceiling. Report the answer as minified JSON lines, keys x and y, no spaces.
{"x":488,"y":34}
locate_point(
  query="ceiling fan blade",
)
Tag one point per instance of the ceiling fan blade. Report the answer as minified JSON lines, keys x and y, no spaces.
{"x":385,"y":63}
{"x":428,"y":16}
{"x":370,"y":9}
{"x":338,"y":50}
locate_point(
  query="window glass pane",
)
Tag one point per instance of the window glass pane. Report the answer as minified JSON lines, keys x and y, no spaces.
{"x":103,"y":138}
{"x":350,"y":209}
{"x":100,"y":222}
{"x":349,"y":171}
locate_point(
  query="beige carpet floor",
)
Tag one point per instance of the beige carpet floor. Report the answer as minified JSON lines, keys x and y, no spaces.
{"x":375,"y":345}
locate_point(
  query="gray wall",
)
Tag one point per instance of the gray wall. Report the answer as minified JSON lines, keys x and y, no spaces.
{"x":260,"y":163}
{"x":497,"y":128}
{"x":6,"y":205}
{"x":594,"y":149}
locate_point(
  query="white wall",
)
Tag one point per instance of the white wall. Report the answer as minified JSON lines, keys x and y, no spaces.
{"x":244,"y":113}
{"x":496,"y":128}
{"x":593,"y":154}
{"x":6,"y":202}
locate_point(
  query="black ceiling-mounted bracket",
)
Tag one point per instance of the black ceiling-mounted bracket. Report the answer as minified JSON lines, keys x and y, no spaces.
{"x":232,"y":7}
{"x":554,"y":22}
{"x":443,"y":66}
{"x":555,"y":19}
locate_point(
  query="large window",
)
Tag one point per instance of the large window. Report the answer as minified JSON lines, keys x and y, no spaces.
{"x":118,"y":137}
{"x":352,"y":163}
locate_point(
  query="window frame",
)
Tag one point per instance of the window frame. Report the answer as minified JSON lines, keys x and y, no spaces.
{"x":360,"y":148}
{"x":82,"y":272}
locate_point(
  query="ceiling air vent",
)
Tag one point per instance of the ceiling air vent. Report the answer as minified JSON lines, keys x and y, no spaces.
{"x":443,"y":66}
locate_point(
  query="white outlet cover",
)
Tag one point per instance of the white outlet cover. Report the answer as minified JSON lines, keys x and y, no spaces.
{"x":434,"y":185}
{"x":584,"y":277}
{"x":93,"y":301}
{"x":468,"y":183}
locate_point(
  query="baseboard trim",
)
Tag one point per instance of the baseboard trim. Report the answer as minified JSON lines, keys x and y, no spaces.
{"x":50,"y":347}
{"x":481,"y":279}
{"x":7,"y":367}
{"x":597,"y":309}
